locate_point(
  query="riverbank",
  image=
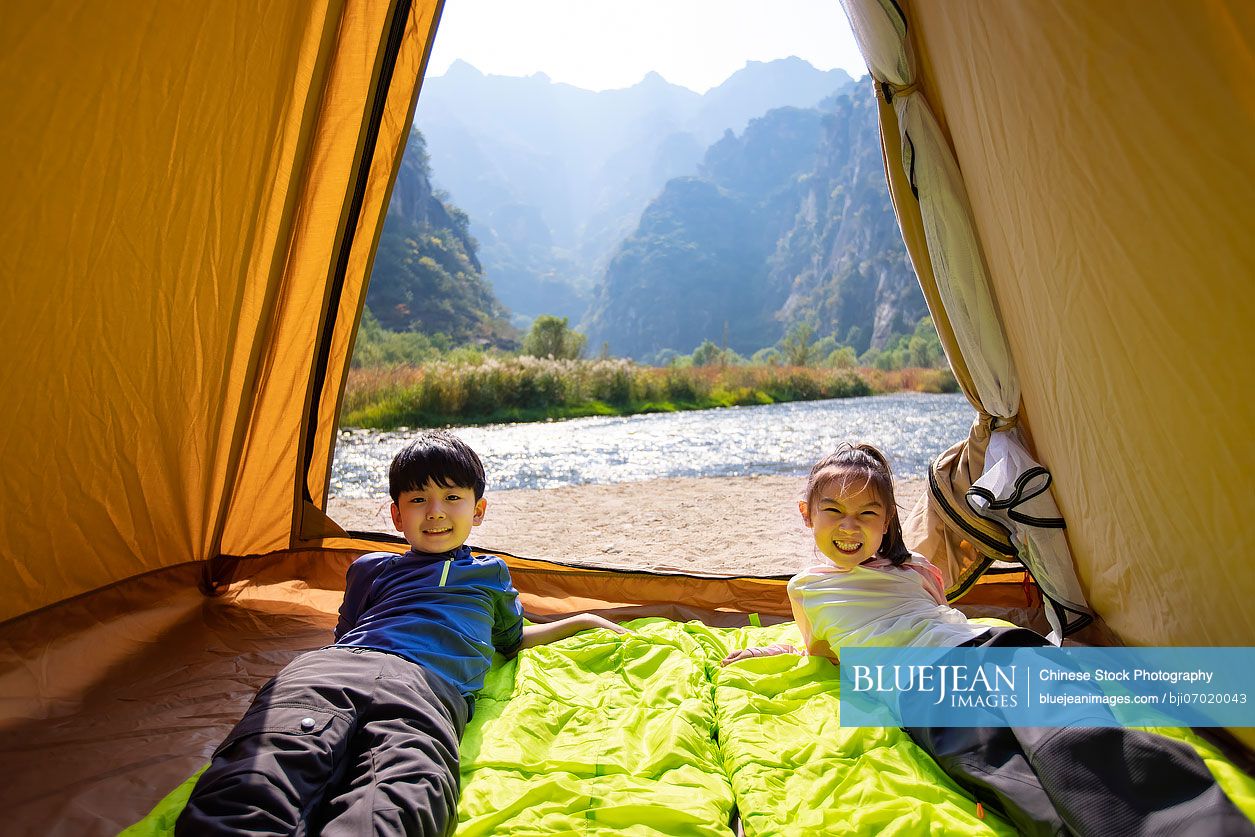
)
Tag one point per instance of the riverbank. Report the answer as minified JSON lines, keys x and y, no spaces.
{"x":527,"y":389}
{"x":700,"y":525}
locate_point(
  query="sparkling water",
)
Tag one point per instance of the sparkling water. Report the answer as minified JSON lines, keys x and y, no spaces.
{"x":912,"y":428}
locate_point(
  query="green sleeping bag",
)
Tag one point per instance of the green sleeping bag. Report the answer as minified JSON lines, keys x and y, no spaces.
{"x":646,"y":734}
{"x":598,"y":734}
{"x":796,"y":770}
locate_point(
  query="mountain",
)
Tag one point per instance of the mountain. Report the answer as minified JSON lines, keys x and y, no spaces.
{"x":697,"y":260}
{"x":788,"y":222}
{"x":843,"y":262}
{"x":580,"y":166}
{"x":426,"y":276}
{"x":761,"y":86}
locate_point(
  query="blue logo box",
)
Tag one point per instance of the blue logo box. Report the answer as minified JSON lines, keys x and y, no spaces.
{"x":1036,"y":687}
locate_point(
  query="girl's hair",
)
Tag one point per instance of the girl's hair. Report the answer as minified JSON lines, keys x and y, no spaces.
{"x":858,"y":466}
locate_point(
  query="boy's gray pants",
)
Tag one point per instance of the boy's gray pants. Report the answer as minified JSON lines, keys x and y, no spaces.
{"x":341,"y":741}
{"x":1089,"y":781}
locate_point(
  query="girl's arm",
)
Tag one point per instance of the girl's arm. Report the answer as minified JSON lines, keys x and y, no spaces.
{"x":814,"y":646}
{"x":534,"y":635}
{"x":769,"y":651}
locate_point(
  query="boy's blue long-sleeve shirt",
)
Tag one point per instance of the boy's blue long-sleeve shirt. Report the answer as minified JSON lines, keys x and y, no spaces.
{"x":446,"y":612}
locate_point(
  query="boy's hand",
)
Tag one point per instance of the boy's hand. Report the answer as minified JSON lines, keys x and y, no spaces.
{"x":769,"y":651}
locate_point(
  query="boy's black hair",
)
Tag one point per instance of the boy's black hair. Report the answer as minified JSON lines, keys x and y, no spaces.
{"x":439,"y":457}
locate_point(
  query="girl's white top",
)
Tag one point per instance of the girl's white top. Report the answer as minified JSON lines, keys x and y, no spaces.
{"x":877,"y":604}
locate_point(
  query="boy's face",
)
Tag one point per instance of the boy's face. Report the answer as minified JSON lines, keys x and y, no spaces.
{"x":437,"y":518}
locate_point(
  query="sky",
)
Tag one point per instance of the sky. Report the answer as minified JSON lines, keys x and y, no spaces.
{"x":609,"y":44}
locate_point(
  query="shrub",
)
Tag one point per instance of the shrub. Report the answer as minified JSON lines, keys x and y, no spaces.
{"x":442,"y":392}
{"x":942,"y":380}
{"x":847,"y":384}
{"x":487,"y":388}
{"x":611,"y":381}
{"x":842,"y":358}
{"x":376,"y":346}
{"x":537,"y":385}
{"x":797,"y":386}
{"x":680,"y":387}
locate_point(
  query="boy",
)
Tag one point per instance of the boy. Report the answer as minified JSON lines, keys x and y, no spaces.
{"x":362,"y":736}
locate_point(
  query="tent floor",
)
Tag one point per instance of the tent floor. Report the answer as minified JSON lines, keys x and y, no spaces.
{"x":113,"y":699}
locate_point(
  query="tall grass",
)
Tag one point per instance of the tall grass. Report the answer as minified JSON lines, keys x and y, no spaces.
{"x":482,"y":390}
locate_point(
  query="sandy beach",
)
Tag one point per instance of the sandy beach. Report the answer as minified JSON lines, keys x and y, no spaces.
{"x":700,"y":525}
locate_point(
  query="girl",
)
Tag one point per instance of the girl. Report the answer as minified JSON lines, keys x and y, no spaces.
{"x":869,"y":589}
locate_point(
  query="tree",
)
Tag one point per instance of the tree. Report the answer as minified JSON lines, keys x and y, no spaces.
{"x":855,"y":339}
{"x":925,"y":346}
{"x":768,"y":356}
{"x":917,"y":351}
{"x":707,"y":354}
{"x":552,"y":337}
{"x":823,"y":347}
{"x":666,"y":358}
{"x":870,"y":358}
{"x":797,"y":346}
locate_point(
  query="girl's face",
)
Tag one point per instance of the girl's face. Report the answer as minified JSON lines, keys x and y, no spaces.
{"x":849,"y":520}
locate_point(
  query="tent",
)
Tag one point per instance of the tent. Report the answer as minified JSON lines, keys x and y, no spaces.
{"x":193,"y":200}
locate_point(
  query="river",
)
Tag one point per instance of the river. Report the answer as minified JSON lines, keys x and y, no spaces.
{"x":912,"y":428}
